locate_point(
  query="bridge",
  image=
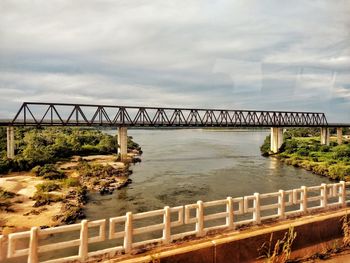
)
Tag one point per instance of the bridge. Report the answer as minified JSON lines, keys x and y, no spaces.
{"x":40,"y":114}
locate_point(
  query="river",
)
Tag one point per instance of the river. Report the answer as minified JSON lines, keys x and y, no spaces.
{"x":182,"y":166}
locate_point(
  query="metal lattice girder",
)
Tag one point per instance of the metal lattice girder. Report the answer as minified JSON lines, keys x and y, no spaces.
{"x":63,"y":114}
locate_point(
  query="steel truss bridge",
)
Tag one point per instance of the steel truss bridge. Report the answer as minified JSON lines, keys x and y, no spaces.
{"x":64,"y":114}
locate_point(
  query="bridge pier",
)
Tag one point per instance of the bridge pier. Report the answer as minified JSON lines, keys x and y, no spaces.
{"x":123,"y":142}
{"x":340,"y":136}
{"x":276,"y":139}
{"x":10,"y":142}
{"x":324,"y":136}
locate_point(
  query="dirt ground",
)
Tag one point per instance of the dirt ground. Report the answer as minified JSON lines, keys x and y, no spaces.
{"x":24,"y":215}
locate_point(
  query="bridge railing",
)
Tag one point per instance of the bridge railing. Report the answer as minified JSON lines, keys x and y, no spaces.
{"x":226,"y":214}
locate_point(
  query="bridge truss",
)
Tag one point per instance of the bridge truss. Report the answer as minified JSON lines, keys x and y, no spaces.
{"x":64,"y":114}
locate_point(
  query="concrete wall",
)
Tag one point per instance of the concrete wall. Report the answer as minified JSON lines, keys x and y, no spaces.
{"x":315,"y":234}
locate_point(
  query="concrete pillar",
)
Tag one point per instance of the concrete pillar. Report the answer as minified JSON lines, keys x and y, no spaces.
{"x":325,"y":136}
{"x":123,"y":142}
{"x":340,"y":136}
{"x":276,"y":139}
{"x":10,"y":142}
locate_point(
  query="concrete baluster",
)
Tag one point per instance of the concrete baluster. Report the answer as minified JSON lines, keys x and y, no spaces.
{"x":324,"y":200}
{"x":200,"y":219}
{"x":33,"y":245}
{"x":84,"y":242}
{"x":281,"y":204}
{"x":128,"y":233}
{"x":167,"y":226}
{"x":303,"y":204}
{"x":256,"y":212}
{"x":2,"y":252}
{"x":229,"y":211}
{"x":342,"y":197}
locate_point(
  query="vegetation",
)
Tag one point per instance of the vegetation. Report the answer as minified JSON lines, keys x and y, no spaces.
{"x":48,"y":187}
{"x":6,"y":194}
{"x":96,"y":170}
{"x":281,"y":251}
{"x":44,"y":198}
{"x":49,"y":172}
{"x":40,"y":146}
{"x":307,"y":152}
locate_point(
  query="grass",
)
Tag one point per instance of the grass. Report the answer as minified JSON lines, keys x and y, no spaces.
{"x":281,"y":250}
{"x":71,"y":182}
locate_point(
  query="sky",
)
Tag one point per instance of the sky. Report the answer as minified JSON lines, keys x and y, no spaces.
{"x":262,"y":55}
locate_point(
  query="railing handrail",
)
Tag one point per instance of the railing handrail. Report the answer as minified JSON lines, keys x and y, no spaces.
{"x":252,"y":204}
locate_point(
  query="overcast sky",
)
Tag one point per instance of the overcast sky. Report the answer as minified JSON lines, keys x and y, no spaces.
{"x":268,"y":55}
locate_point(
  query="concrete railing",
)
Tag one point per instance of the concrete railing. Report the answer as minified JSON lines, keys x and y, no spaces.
{"x":234,"y":212}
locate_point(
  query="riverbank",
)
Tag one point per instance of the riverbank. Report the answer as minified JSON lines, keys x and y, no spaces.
{"x":54,"y":168}
{"x":56,"y":194}
{"x":332,"y":161}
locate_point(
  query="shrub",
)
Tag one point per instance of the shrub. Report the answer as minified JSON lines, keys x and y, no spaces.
{"x":72,"y":182}
{"x":291,"y":146}
{"x":6,"y":206}
{"x":333,"y":144}
{"x":6,"y":194}
{"x":296,"y":162}
{"x":325,"y":148}
{"x":341,"y":151}
{"x":36,"y":170}
{"x":4,"y":166}
{"x":70,"y":214}
{"x":307,"y":165}
{"x":89,"y":149}
{"x":43,"y":198}
{"x":338,"y":171}
{"x":96,"y":170}
{"x":303,"y":152}
{"x":321,"y":169}
{"x":133,"y":145}
{"x":49,"y":171}
{"x":48,"y":187}
{"x":265,"y":147}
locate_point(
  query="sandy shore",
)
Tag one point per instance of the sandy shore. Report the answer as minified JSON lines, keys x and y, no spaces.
{"x":22,"y":214}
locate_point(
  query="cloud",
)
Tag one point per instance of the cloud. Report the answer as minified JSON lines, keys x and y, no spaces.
{"x":268,"y":55}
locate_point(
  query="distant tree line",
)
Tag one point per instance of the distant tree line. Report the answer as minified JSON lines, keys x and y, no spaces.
{"x":39,"y":146}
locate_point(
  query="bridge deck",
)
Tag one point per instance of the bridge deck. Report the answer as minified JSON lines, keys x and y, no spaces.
{"x":162,"y":125}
